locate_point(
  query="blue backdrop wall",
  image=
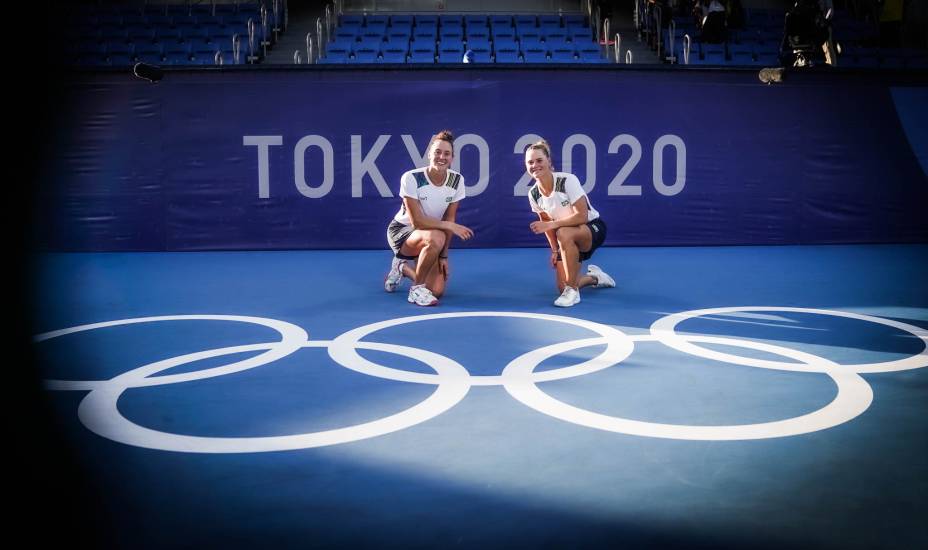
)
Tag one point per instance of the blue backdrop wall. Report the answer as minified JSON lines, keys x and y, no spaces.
{"x":311,"y":158}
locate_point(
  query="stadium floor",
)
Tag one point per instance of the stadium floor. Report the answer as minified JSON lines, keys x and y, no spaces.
{"x":213,"y":419}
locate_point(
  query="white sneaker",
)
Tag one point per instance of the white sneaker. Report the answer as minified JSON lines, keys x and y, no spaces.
{"x":395,"y":276}
{"x":570,"y":297}
{"x":421,"y":296}
{"x":603,"y":280}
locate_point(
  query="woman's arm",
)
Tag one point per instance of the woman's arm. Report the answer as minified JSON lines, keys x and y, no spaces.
{"x":579,"y":217}
{"x":421,"y":221}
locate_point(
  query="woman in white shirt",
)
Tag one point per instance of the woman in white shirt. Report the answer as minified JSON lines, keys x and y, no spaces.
{"x":570,"y":223}
{"x":421,"y":230}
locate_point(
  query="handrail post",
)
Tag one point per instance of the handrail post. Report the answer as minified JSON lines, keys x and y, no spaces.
{"x":252,"y":57}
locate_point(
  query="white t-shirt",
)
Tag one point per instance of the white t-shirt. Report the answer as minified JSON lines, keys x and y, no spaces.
{"x":434,"y":199}
{"x":567,"y":191}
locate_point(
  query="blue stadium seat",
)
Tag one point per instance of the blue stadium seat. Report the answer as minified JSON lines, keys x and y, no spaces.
{"x":500,"y":21}
{"x":376,"y":20}
{"x":563,"y":55}
{"x":140,"y":32}
{"x":476,"y":21}
{"x":392,"y":54}
{"x":741,"y":57}
{"x":446,"y":20}
{"x":526,"y":33}
{"x":206,"y":20}
{"x":395,"y":41}
{"x":91,"y":47}
{"x":482,"y":56}
{"x":427,"y":31}
{"x":575,"y":20}
{"x":119,"y":47}
{"x":535,"y":55}
{"x":531,"y":43}
{"x":112,"y":32}
{"x":451,"y":43}
{"x":423,"y":20}
{"x":421,"y":55}
{"x":450,"y":55}
{"x":376,"y":26}
{"x":508,"y":55}
{"x":478,"y":34}
{"x":556,"y":40}
{"x":402,"y":19}
{"x":177,"y":58}
{"x":591,"y":54}
{"x":337,"y":52}
{"x":479,"y":43}
{"x":148,"y":48}
{"x":372,"y":41}
{"x":451,"y":33}
{"x":351,"y":20}
{"x":505,"y":33}
{"x":346,"y":34}
{"x":166,"y":33}
{"x":120,"y":60}
{"x":364,"y":54}
{"x":176,"y":47}
{"x":331,"y":57}
{"x":525,"y":20}
{"x":505,"y":44}
{"x":199,"y":46}
{"x":400,"y":27}
{"x":580,"y":34}
{"x":767,"y":59}
{"x":422,"y":44}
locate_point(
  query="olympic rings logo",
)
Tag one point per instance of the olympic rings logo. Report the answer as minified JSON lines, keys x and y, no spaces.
{"x":98,"y":411}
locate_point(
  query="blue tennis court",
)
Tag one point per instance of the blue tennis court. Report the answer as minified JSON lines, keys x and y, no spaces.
{"x":719,"y":397}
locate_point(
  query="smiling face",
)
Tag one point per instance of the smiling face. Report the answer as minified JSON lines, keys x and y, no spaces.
{"x":537,"y":162}
{"x":440,"y":155}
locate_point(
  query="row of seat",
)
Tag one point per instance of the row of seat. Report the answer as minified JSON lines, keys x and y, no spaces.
{"x":407,"y":38}
{"x":473,"y":42}
{"x":455,"y":54}
{"x":104,"y":12}
{"x":169,"y":34}
{"x":219,"y":57}
{"x":461,"y":20}
{"x":179,"y":32}
{"x":193,"y":45}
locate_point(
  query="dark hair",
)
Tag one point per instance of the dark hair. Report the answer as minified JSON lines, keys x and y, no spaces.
{"x":542,"y":146}
{"x":443,"y":135}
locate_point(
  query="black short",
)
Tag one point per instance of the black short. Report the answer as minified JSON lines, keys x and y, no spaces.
{"x":598,"y":230}
{"x":397,"y":233}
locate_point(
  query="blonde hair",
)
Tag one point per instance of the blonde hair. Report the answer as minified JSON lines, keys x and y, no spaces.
{"x":540,"y":145}
{"x":443,"y":135}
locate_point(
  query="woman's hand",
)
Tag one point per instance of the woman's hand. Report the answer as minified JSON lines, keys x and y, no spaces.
{"x":539,"y":227}
{"x":444,"y":268}
{"x":461,"y":231}
{"x":554,"y":259}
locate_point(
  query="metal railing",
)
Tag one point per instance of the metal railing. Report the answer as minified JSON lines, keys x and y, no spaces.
{"x":309,"y":48}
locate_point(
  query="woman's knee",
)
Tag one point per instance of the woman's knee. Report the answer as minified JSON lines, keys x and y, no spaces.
{"x":434,"y":237}
{"x":566,"y":238}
